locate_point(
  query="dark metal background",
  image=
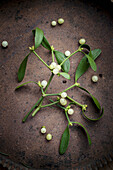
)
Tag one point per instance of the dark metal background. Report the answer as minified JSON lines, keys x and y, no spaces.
{"x":92,"y":20}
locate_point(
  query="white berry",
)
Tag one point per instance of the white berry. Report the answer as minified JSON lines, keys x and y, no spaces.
{"x":44,"y":83}
{"x":55,"y":71}
{"x":43,"y":130}
{"x":4,"y":44}
{"x":94,"y":78}
{"x":52,"y":65}
{"x":63,"y":94}
{"x":63,"y":101}
{"x":70,"y":111}
{"x":53,"y":23}
{"x":82,"y":41}
{"x":67,"y":53}
{"x":58,"y":67}
{"x":48,"y":136}
{"x":60,"y":20}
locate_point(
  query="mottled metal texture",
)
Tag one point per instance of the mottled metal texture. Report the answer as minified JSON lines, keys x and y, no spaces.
{"x":91,"y":20}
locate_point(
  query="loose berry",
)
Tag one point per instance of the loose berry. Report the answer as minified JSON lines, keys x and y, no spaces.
{"x":63,"y":94}
{"x":43,"y":130}
{"x":67,"y":53}
{"x":53,"y":23}
{"x":94,"y":78}
{"x":4,"y":44}
{"x":60,"y":20}
{"x":48,"y":136}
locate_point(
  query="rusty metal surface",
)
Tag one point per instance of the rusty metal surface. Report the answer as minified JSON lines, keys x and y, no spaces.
{"x":23,"y":142}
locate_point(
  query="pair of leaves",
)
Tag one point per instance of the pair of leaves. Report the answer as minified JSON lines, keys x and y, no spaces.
{"x":38,"y":33}
{"x":66,"y":136}
{"x":84,"y":65}
{"x":60,"y":57}
{"x":44,"y":41}
{"x":96,"y":103}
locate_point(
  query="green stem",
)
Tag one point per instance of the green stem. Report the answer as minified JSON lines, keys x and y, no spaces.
{"x":69,"y":87}
{"x":67,"y":117}
{"x":24,"y":119}
{"x":50,"y":104}
{"x":74,"y":101}
{"x":69,"y":57}
{"x":41,"y":59}
{"x":54,"y":94}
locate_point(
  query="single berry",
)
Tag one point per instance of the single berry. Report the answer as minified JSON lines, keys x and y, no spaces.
{"x":63,"y":94}
{"x":60,"y":20}
{"x":55,"y":71}
{"x":53,"y":23}
{"x":52,"y":65}
{"x":44,"y":83}
{"x":58,"y":67}
{"x":67,"y":53}
{"x":94,"y":78}
{"x":43,"y":130}
{"x":63,"y":101}
{"x":48,"y":136}
{"x":82,"y":41}
{"x":70,"y":111}
{"x":4,"y":44}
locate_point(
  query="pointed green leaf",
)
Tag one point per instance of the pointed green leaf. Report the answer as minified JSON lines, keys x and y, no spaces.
{"x":66,"y":75}
{"x":94,"y":99}
{"x":91,"y":62}
{"x":91,"y":118}
{"x":88,"y":137}
{"x":64,"y":141}
{"x":45,"y":43}
{"x":60,"y":57}
{"x":38,"y":33}
{"x":84,"y":65}
{"x":25,"y":84}
{"x":22,"y":68}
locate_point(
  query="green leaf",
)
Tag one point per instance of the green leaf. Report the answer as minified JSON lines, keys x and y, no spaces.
{"x":89,"y":139}
{"x":84,"y":65}
{"x":94,"y":99}
{"x":64,"y":141}
{"x":45,"y":43}
{"x":66,"y":75}
{"x":91,"y":62}
{"x":60,"y":57}
{"x":38,"y":33}
{"x":91,"y":118}
{"x":25,"y":84}
{"x":22,"y":68}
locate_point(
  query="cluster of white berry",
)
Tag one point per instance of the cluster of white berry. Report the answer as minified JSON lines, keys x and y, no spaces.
{"x":63,"y":102}
{"x":55,"y":67}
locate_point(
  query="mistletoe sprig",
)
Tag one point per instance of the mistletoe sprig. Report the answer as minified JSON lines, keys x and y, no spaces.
{"x":61,"y":68}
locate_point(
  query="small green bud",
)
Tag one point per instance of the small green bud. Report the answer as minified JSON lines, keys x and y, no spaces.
{"x":71,"y":124}
{"x":84,"y":107}
{"x":32,"y":48}
{"x":77,"y":84}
